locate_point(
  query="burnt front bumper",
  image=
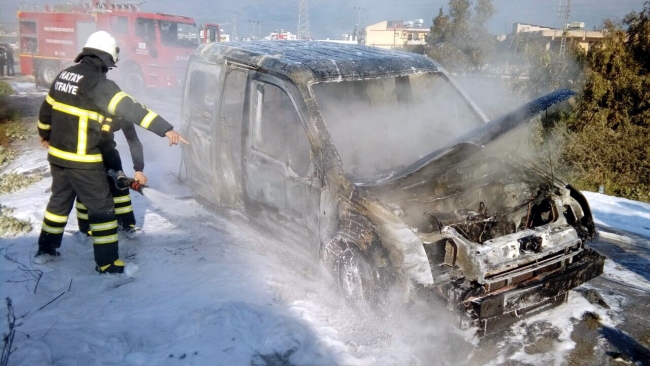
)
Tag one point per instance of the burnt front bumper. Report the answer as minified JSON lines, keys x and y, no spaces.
{"x":497,"y":309}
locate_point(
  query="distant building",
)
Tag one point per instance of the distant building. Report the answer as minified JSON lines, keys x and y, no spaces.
{"x":343,"y":41}
{"x":282,"y":34}
{"x":551,"y":37}
{"x":396,"y":33}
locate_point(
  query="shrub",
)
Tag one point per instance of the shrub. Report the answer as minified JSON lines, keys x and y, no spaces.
{"x":6,"y":155}
{"x":9,"y":225}
{"x":13,"y":182}
{"x":5,"y":89}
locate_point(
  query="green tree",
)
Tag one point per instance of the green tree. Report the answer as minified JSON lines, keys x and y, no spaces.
{"x":611,"y":124}
{"x":603,"y":139}
{"x":440,"y":30}
{"x":459,"y":40}
{"x":543,"y":71}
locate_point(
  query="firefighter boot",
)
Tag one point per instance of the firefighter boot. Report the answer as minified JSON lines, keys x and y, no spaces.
{"x":130,"y":231}
{"x":45,"y":255}
{"x":117,"y":267}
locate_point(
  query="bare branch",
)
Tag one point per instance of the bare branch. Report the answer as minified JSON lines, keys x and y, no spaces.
{"x":51,"y":301}
{"x":35,"y":274}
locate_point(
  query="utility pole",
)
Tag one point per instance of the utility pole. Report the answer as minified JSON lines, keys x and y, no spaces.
{"x":360,"y":20}
{"x":303,"y":20}
{"x":257,"y":28}
{"x":361,"y":29}
{"x":234,"y":27}
{"x":564,"y":14}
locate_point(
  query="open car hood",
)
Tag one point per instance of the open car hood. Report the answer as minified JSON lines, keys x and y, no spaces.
{"x":497,"y":209}
{"x":469,"y":143}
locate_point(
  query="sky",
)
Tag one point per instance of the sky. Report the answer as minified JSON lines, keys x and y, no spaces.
{"x":329,"y":18}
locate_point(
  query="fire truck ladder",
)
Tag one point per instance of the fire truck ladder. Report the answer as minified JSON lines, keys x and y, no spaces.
{"x":103,"y":5}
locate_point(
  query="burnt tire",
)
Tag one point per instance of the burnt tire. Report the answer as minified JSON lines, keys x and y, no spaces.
{"x":358,"y":280}
{"x":47,"y":72}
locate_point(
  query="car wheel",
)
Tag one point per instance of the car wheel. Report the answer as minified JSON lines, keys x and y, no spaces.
{"x":353,"y":274}
{"x":47,"y":72}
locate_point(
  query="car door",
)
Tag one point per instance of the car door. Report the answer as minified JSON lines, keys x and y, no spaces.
{"x":200,"y":126}
{"x":279,"y":177}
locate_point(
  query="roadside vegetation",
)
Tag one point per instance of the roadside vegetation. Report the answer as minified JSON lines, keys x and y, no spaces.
{"x":459,"y":39}
{"x":601,"y":140}
{"x":9,"y":225}
{"x":11,"y":129}
{"x":7,"y":113}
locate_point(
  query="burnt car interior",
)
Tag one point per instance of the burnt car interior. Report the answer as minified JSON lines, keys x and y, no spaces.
{"x":401,"y":118}
{"x":277,"y":155}
{"x":278,"y":130}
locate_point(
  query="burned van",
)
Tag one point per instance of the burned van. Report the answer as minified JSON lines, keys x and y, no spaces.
{"x":387,"y":171}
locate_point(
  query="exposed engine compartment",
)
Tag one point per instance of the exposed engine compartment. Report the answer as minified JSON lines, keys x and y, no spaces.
{"x":485,"y":197}
{"x":494,"y":226}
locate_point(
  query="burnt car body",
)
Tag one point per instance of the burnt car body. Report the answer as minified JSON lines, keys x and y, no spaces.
{"x":384,"y":168}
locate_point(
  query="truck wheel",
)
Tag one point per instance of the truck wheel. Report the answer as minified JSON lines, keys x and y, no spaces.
{"x":47,"y":72}
{"x":133,"y":79}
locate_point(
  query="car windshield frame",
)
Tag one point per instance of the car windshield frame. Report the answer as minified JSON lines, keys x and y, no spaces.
{"x":472,"y":118}
{"x":185,"y":34}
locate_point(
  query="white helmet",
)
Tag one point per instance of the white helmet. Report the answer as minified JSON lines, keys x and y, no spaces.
{"x":103,"y":41}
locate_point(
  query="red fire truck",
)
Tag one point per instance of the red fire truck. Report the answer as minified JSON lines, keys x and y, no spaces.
{"x":154,"y":47}
{"x":210,"y":33}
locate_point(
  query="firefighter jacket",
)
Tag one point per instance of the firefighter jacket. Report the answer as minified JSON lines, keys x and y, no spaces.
{"x":107,"y":141}
{"x":77,"y":106}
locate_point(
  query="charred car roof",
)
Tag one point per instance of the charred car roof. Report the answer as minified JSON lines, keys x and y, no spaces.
{"x":320,"y":61}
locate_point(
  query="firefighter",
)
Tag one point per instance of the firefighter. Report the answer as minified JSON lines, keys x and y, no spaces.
{"x":9,"y":60}
{"x":70,"y":119}
{"x":3,"y":60}
{"x":111,"y":158}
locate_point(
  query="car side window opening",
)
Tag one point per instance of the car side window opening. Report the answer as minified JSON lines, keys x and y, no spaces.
{"x":278,"y":130}
{"x":203,"y":91}
{"x":232,"y":114}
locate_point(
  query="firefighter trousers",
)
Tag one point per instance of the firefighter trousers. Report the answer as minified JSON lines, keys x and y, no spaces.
{"x":123,"y":209}
{"x":121,"y":198}
{"x":91,"y":187}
